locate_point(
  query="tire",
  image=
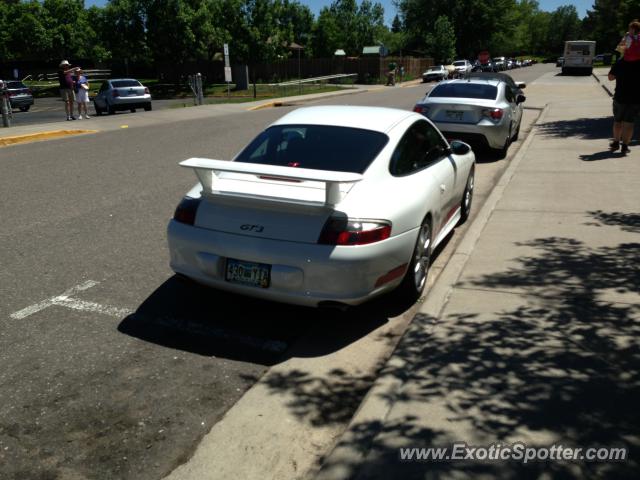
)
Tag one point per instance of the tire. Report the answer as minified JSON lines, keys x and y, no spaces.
{"x":502,"y":152}
{"x":97,"y":108}
{"x":147,"y":108}
{"x":111,"y":109}
{"x":515,"y":136}
{"x":415,"y":279}
{"x":467,"y":197}
{"x":132,"y":110}
{"x":25,"y":109}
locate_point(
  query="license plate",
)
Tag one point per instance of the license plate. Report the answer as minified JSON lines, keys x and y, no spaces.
{"x":248,"y":273}
{"x":454,"y":115}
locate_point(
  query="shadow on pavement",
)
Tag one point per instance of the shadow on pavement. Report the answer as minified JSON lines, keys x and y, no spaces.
{"x":587,"y":128}
{"x":605,"y":155}
{"x":560,"y":365}
{"x":184,"y":315}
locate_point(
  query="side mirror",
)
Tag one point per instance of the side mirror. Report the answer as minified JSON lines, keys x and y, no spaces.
{"x":521,"y":85}
{"x":521,"y":99}
{"x":459,"y":148}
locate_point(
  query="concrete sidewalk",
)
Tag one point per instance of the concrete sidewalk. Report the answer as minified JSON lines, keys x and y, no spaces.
{"x":532,"y":333}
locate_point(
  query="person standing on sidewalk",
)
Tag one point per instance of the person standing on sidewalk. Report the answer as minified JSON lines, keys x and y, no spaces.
{"x":626,"y":102}
{"x":65,"y":78}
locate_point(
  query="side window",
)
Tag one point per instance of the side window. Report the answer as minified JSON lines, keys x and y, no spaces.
{"x":104,"y":86}
{"x":420,"y":146}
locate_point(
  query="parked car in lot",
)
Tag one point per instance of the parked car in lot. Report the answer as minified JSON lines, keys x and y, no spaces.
{"x":329,"y":206}
{"x":437,"y":72}
{"x":484,"y":112}
{"x":462,"y":67}
{"x":488,"y":66}
{"x":121,"y":94}
{"x":20,"y":96}
{"x":559,"y":61}
{"x":500,"y":63}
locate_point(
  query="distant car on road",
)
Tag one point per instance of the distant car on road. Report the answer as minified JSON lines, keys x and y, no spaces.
{"x":437,"y":72}
{"x":121,"y":94}
{"x":559,"y":61}
{"x":484,"y":112}
{"x":500,"y":63}
{"x":20,"y":96}
{"x":462,"y":67}
{"x":329,"y":206}
{"x":599,"y":58}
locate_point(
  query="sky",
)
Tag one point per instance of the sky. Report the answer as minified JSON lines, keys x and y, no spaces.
{"x":389,"y":10}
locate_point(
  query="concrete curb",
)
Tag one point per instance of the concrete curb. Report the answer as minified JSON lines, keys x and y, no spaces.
{"x":294,"y":100}
{"x":379,"y":400}
{"x":48,"y":135}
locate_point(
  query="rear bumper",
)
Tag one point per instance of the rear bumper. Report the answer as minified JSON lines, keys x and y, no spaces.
{"x":301,"y":273}
{"x":17,"y":102}
{"x":481,"y":136}
{"x":125,"y":103}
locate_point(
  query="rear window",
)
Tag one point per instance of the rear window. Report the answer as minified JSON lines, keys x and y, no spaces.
{"x":465,"y":90}
{"x":318,"y":147}
{"x":125,"y":83}
{"x":459,"y":64}
{"x":15,"y":85}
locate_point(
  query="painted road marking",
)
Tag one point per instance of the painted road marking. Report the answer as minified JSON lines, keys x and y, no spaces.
{"x":67,"y":300}
{"x":33,"y":137}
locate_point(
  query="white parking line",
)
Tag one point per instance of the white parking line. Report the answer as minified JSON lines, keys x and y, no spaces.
{"x":65,"y":300}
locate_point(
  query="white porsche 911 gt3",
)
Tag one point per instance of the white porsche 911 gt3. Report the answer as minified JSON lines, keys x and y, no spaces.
{"x":328,"y":206}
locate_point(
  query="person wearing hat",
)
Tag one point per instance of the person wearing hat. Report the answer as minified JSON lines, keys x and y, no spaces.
{"x":65,"y":77}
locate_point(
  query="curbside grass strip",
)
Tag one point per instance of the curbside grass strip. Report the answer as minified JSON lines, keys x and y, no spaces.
{"x":342,"y":462}
{"x":35,"y":137}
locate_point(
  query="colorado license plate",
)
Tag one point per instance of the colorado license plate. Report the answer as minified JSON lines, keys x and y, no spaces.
{"x":248,"y":273}
{"x":454,"y":115}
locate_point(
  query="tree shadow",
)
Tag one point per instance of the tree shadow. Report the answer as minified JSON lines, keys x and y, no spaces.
{"x":586,"y":128}
{"x":557,"y":364}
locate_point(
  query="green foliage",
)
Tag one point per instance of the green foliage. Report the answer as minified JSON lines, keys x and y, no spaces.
{"x":442,"y":42}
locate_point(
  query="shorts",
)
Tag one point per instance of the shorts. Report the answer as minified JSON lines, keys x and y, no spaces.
{"x":67,"y":94}
{"x":625,"y":112}
{"x":83,"y":96}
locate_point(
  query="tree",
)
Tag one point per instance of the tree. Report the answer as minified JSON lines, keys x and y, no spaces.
{"x":564,"y":24}
{"x":442,"y":42}
{"x":396,"y":25}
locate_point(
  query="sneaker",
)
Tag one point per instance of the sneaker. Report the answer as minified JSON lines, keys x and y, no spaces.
{"x":87,"y":117}
{"x":72,"y":117}
{"x":79,"y":117}
{"x":614,"y":145}
{"x":625,"y":149}
{"x":68,"y":118}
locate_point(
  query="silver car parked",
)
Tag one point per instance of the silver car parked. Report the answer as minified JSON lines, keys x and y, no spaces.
{"x":122,"y":94}
{"x":483,"y":112}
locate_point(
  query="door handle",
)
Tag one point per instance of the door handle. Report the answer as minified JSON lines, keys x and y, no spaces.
{"x":443,"y":187}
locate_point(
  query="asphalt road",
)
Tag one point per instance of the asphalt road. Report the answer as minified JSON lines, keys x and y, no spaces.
{"x":111,"y":367}
{"x":51,"y":109}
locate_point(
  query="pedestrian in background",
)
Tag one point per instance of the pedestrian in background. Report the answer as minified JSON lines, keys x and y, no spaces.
{"x":65,"y":78}
{"x":82,"y":93}
{"x":626,"y":98}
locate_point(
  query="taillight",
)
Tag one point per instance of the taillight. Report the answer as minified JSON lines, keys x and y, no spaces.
{"x":342,"y":231}
{"x":115,"y":93}
{"x":186,"y":210}
{"x":146,"y":90}
{"x":493,"y":113}
{"x":423,"y":109}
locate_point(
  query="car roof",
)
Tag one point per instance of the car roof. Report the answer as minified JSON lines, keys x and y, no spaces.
{"x":123,"y":79}
{"x":368,"y":118}
{"x":483,"y":81}
{"x":503,"y":77}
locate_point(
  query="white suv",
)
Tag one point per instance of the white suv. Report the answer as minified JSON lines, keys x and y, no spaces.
{"x":462,"y":67}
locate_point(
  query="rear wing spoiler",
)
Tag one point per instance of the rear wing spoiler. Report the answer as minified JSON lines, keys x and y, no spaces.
{"x":207,"y":169}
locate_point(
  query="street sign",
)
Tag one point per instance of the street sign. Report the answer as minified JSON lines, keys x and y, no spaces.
{"x":226,"y":55}
{"x":227,"y":74}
